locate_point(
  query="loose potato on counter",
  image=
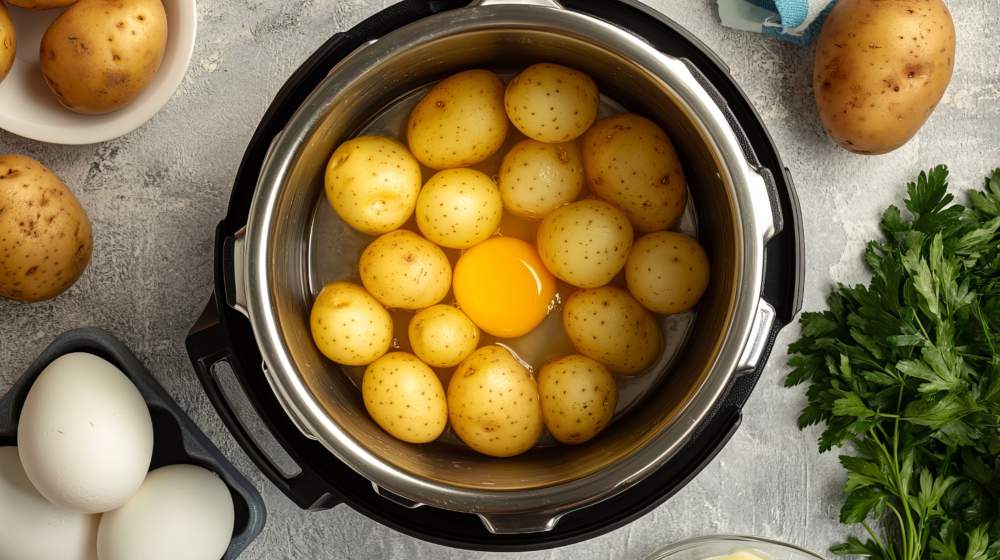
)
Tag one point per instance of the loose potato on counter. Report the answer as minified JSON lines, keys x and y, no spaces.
{"x":99,"y":55}
{"x":881,"y":69}
{"x":45,"y":236}
{"x":459,"y":208}
{"x":8,"y":41}
{"x":459,"y":122}
{"x":442,"y":335}
{"x":41,"y":4}
{"x":403,"y":270}
{"x":536,"y":178}
{"x":405,"y":398}
{"x":493,"y":403}
{"x":585,"y":243}
{"x":667,"y":272}
{"x":372,"y":183}
{"x":631,"y":163}
{"x":349,"y":326}
{"x":552,"y":103}
{"x":610,"y":326}
{"x":578,"y":398}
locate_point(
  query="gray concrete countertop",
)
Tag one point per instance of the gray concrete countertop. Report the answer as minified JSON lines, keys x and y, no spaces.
{"x":155,"y":196}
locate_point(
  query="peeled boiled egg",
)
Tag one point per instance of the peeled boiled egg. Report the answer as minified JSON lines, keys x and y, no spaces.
{"x":32,"y":528}
{"x":503,"y":286}
{"x":181,"y":511}
{"x":85,"y":436}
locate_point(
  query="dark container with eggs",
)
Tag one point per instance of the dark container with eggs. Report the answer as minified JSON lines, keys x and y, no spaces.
{"x":176,"y":438}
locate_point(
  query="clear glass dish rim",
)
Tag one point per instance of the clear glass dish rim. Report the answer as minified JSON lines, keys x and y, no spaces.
{"x":727,"y":538}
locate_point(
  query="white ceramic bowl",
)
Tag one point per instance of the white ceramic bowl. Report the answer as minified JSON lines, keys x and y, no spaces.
{"x":29,"y":109}
{"x":716,"y":546}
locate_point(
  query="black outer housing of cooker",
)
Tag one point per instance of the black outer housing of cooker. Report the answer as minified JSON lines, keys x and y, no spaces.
{"x":224,"y":334}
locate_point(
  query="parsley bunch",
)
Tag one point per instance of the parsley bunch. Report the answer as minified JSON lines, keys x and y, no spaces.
{"x":905,"y":373}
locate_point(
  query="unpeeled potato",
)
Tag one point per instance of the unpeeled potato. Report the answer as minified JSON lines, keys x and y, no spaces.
{"x":405,"y":271}
{"x":442,"y":335}
{"x":536,"y":178}
{"x":458,"y":208}
{"x":578,"y":398}
{"x":493,"y":403}
{"x":99,"y":55}
{"x":881,"y":69}
{"x":45,"y":236}
{"x":349,"y":326}
{"x":610,"y":326}
{"x":42,"y":4}
{"x":372,"y":183}
{"x":631,"y":163}
{"x":405,"y":398}
{"x":552,"y":103}
{"x":585,"y":243}
{"x":8,"y":41}
{"x":459,"y":122}
{"x":667,"y":272}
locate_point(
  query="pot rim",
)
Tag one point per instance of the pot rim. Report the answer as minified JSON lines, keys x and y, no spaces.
{"x":538,"y":508}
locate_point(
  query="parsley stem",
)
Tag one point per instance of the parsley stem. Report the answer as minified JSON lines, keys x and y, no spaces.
{"x":886,"y":553}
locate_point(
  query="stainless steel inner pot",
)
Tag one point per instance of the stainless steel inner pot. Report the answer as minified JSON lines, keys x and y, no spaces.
{"x":530,"y":492}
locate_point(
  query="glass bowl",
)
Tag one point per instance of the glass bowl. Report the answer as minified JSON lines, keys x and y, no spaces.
{"x":721,"y":546}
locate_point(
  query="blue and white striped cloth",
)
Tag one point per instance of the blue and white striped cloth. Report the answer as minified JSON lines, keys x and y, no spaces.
{"x":797,"y":21}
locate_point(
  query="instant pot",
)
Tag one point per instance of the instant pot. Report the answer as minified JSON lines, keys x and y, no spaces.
{"x":307,"y":428}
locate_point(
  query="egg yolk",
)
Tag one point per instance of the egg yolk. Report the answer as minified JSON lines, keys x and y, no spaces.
{"x":502,"y":285}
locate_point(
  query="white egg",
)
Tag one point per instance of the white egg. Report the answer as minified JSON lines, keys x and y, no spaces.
{"x":31,"y":528}
{"x":85,"y":436}
{"x":181,"y":511}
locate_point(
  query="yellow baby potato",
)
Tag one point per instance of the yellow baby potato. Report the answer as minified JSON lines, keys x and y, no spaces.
{"x":349,"y":326}
{"x":552,"y":103}
{"x":459,"y":208}
{"x":459,"y":122}
{"x":585,"y":243}
{"x":99,"y":55}
{"x":45,"y":235}
{"x":8,"y":41}
{"x":493,"y":403}
{"x":372,"y":183}
{"x":536,"y":178}
{"x":578,"y":398}
{"x":610,"y":326}
{"x":442,"y":335}
{"x":667,"y":272}
{"x":631,"y":163}
{"x":403,"y":270}
{"x":405,"y":398}
{"x":41,"y":4}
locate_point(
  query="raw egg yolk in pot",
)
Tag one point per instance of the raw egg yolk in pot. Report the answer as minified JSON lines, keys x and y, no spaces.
{"x":502,"y":285}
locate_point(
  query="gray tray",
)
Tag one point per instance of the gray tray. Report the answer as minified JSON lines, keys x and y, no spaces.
{"x":177,"y":440}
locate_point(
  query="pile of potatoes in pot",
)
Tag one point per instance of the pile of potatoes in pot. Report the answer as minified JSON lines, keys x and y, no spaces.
{"x":98,"y":55}
{"x":577,"y":215}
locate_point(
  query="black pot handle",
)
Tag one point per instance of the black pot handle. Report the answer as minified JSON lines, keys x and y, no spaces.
{"x":209,"y":349}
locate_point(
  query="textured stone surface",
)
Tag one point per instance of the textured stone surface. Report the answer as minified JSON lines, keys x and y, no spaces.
{"x":155,"y":196}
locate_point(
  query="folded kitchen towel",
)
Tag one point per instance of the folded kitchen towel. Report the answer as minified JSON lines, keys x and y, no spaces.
{"x":797,"y":21}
